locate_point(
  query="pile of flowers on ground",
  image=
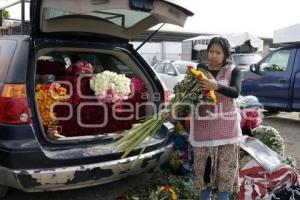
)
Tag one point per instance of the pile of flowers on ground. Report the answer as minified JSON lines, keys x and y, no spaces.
{"x":162,"y":185}
{"x":267,"y":135}
{"x":175,"y":175}
{"x":270,"y":137}
{"x":180,"y":168}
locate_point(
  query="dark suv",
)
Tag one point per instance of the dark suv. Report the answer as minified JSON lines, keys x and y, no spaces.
{"x":63,"y":33}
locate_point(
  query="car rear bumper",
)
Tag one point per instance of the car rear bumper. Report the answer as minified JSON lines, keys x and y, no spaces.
{"x":35,"y":180}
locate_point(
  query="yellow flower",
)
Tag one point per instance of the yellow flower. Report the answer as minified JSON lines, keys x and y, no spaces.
{"x":199,"y":73}
{"x":38,"y":86}
{"x":174,"y":196}
{"x":168,"y":189}
{"x":174,"y":161}
{"x":46,"y":96}
{"x":213,"y":96}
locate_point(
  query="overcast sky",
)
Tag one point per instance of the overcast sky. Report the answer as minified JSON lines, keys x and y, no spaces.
{"x":258,"y":17}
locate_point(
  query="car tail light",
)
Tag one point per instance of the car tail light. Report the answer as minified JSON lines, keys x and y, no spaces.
{"x":13,"y":105}
{"x":165,"y":96}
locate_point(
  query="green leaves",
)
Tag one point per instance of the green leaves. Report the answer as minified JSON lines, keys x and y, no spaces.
{"x":5,"y":14}
{"x":270,"y":137}
{"x":152,"y":190}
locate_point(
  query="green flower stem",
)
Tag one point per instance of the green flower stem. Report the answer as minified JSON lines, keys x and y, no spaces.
{"x":141,"y":130}
{"x":138,"y":133}
{"x":128,"y":134}
{"x":157,"y":127}
{"x":124,"y":134}
{"x":132,"y":146}
{"x":130,"y":142}
{"x":137,"y":140}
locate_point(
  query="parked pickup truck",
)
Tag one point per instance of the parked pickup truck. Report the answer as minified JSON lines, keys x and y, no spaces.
{"x":275,"y":80}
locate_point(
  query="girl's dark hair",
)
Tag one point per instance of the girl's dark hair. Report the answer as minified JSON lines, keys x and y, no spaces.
{"x":223,"y":42}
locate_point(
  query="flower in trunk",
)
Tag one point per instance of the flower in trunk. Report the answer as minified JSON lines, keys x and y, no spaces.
{"x":81,"y":67}
{"x":137,"y":85}
{"x":110,"y":86}
{"x":47,"y":95}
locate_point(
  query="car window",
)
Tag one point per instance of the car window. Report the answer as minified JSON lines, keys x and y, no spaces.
{"x":181,"y":67}
{"x":7,"y":48}
{"x":101,"y":62}
{"x":159,"y":68}
{"x":277,"y":61}
{"x":246,"y":59}
{"x":169,"y":69}
{"x":120,"y":17}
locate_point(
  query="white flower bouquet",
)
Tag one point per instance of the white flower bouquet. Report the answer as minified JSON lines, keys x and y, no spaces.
{"x":110,"y":86}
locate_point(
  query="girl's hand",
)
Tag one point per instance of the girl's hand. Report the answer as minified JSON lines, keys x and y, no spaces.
{"x":208,"y":84}
{"x":169,"y":118}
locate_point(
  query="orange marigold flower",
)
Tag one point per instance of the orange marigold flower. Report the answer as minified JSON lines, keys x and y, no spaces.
{"x":47,"y":95}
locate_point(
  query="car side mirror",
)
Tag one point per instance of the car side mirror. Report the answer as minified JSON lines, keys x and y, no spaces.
{"x":254,"y":68}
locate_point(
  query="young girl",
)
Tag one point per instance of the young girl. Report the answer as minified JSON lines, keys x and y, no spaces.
{"x":216,"y":129}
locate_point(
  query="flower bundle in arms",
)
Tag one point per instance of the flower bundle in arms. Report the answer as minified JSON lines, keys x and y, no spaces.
{"x":187,"y":93}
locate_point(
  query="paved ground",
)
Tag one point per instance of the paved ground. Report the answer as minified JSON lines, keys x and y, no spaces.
{"x":288,"y":124}
{"x":102,"y":192}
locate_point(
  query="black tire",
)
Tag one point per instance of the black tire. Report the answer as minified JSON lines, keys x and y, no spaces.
{"x":3,"y":191}
{"x":273,"y":111}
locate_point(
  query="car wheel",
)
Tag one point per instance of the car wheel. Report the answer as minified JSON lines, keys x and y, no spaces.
{"x":3,"y":191}
{"x":273,"y":111}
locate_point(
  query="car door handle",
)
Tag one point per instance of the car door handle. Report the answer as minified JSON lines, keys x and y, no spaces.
{"x":282,"y":80}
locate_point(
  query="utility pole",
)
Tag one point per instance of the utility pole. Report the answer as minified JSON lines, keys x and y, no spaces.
{"x":1,"y":17}
{"x":22,"y":17}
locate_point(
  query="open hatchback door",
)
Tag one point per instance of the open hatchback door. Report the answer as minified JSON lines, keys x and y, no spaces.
{"x":117,"y":18}
{"x":57,"y":131}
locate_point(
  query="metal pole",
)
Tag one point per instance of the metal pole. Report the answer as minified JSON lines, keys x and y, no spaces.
{"x":22,"y":16}
{"x":149,"y":37}
{"x":1,"y":17}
